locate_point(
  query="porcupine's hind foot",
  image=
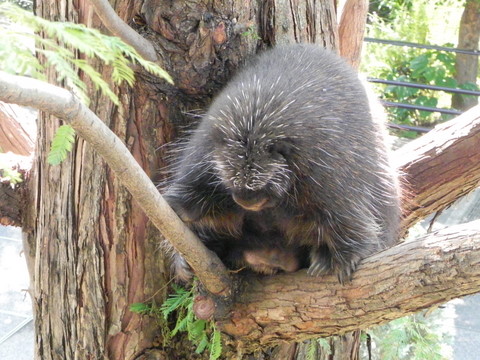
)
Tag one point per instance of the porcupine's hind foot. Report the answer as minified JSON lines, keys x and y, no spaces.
{"x":181,"y":271}
{"x":269,"y":261}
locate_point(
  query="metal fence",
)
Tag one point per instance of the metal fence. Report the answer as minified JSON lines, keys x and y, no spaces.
{"x":422,"y":86}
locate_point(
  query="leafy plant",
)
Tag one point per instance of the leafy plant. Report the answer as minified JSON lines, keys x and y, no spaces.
{"x":314,"y":345}
{"x":413,"y":21}
{"x":7,"y":174}
{"x":59,"y":47}
{"x":410,"y":337}
{"x":423,"y":67}
{"x":62,"y":144}
{"x":203,"y":334}
{"x":62,"y":40}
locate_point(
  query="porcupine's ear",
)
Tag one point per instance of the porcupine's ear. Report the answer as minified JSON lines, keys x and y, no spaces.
{"x":281,"y":148}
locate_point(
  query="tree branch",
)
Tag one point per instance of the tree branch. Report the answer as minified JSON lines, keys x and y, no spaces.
{"x":396,"y":282}
{"x":14,"y":136}
{"x":119,"y":28}
{"x":61,"y":103}
{"x":351,"y":30}
{"x":441,"y":166}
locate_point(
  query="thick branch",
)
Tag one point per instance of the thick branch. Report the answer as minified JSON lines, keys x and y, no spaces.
{"x":119,"y":28}
{"x":14,"y":136}
{"x":401,"y":280}
{"x":351,"y":30}
{"x":441,"y":166}
{"x":61,"y":103}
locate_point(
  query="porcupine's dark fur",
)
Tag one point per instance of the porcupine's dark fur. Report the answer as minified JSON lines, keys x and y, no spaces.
{"x":289,"y":159}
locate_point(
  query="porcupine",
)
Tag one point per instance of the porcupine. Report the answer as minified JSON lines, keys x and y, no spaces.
{"x":289,"y":168}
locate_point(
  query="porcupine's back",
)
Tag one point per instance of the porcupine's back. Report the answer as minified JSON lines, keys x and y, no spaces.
{"x":297,"y":125}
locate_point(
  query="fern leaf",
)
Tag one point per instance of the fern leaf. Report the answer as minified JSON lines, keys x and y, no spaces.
{"x":62,"y":144}
{"x":196,"y":329}
{"x":140,"y":308}
{"x":202,"y":344}
{"x":324,"y":345}
{"x":111,"y":50}
{"x":97,"y":80}
{"x":215,"y":344}
{"x":175,"y":301}
{"x":180,"y":326}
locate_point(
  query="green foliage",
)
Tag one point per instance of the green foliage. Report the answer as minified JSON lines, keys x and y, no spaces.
{"x":9,"y":175}
{"x":62,"y":144}
{"x":203,"y":334}
{"x":414,"y":21}
{"x":59,"y":46}
{"x":411,"y":337}
{"x":314,"y":345}
{"x":25,"y":4}
{"x":252,"y":33}
{"x":388,"y":9}
{"x":423,"y":67}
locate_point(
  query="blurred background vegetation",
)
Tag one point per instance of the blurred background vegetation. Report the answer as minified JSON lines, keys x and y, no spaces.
{"x":434,"y":22}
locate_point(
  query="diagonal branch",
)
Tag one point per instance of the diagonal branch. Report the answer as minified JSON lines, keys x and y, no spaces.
{"x":61,"y":103}
{"x":119,"y":28}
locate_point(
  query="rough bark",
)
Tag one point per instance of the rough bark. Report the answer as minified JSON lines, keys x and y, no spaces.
{"x":351,"y":30}
{"x":401,"y":280}
{"x":466,"y":66}
{"x":91,"y":249}
{"x":441,"y":166}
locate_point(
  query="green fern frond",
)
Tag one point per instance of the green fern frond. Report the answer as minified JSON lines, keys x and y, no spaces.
{"x":181,"y":325}
{"x":62,"y":143}
{"x":196,"y":330}
{"x":140,"y":308}
{"x":175,"y":301}
{"x":122,"y":72}
{"x":202,"y":344}
{"x":62,"y":63}
{"x":324,"y":345}
{"x":97,"y":80}
{"x":17,"y":58}
{"x":216,"y":344}
{"x":311,"y":350}
{"x":7,"y":174}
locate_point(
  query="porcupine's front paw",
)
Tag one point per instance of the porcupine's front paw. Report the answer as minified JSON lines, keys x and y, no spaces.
{"x":322,"y":263}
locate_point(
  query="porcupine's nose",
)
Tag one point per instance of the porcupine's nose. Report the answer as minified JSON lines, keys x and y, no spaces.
{"x":250,"y":200}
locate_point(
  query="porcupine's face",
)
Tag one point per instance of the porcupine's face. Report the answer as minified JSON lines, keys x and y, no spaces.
{"x":253,"y":166}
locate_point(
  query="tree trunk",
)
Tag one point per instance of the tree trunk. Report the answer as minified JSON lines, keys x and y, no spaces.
{"x":466,"y":66}
{"x":91,"y":251}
